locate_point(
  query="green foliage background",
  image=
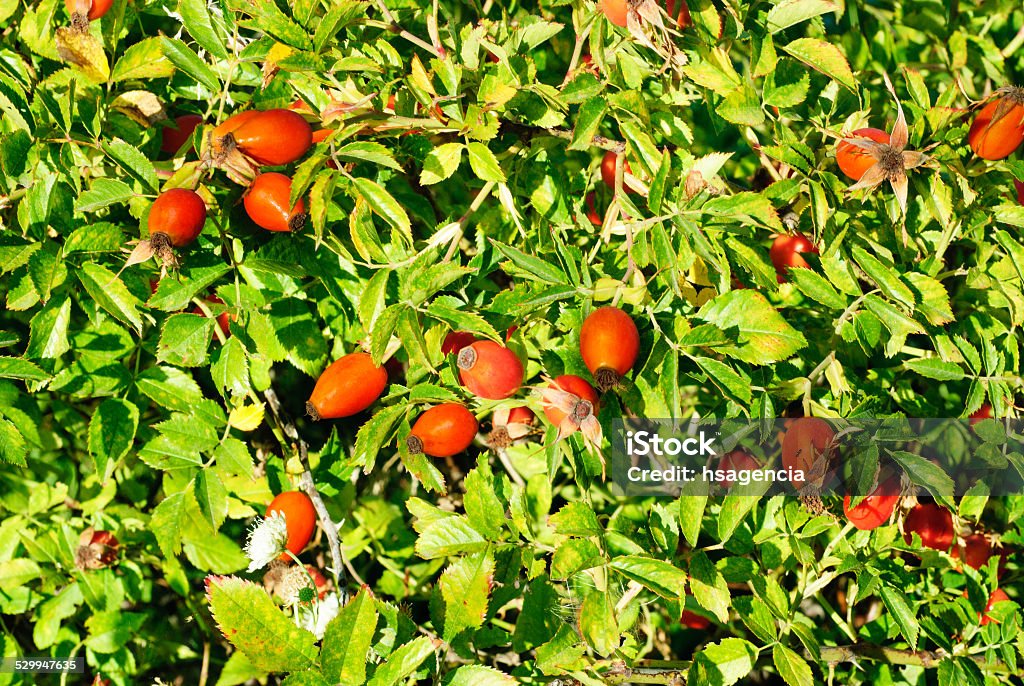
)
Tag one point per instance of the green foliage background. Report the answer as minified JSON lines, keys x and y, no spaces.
{"x":464,"y":209}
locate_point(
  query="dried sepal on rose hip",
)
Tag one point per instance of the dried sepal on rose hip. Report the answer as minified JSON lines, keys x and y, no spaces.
{"x":571,"y":404}
{"x":96,"y":549}
{"x":84,"y":11}
{"x":509,"y":425}
{"x":890,"y":161}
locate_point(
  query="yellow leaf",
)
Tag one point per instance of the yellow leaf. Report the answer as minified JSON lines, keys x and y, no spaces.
{"x":83,"y":51}
{"x":247,"y":417}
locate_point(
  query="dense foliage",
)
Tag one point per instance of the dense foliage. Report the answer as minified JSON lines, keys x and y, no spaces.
{"x":502,"y":170}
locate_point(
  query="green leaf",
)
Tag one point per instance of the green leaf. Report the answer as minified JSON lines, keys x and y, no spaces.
{"x":901,"y":611}
{"x":251,"y":621}
{"x":441,"y":163}
{"x":659,"y":576}
{"x":479,"y":675}
{"x":374,"y":434}
{"x":709,"y":587}
{"x":443,"y":533}
{"x":403,"y":662}
{"x":102,"y":193}
{"x":926,"y":473}
{"x":199,"y":23}
{"x":597,"y":623}
{"x":348,"y":638}
{"x":185,"y":59}
{"x":368,"y":151}
{"x":466,"y":589}
{"x":763,"y":336}
{"x":142,"y":60}
{"x":793,"y":669}
{"x":230,"y":369}
{"x":112,"y":433}
{"x":723,"y":376}
{"x":110,"y":293}
{"x":723,"y":663}
{"x":17,"y":368}
{"x":588,"y":122}
{"x":885,"y":277}
{"x":542,"y":269}
{"x":484,"y":163}
{"x":184,"y":340}
{"x":49,"y":331}
{"x":576,"y":519}
{"x":824,"y":57}
{"x":132,"y":161}
{"x":383,"y":204}
{"x":13,"y":449}
{"x":790,"y":12}
{"x":934,"y":368}
{"x":484,"y":508}
{"x":816,"y":287}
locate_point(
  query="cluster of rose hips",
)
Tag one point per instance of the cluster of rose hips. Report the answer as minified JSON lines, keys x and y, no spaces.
{"x":808,"y":443}
{"x":609,"y":345}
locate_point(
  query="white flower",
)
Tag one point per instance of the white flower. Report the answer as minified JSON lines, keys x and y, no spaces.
{"x":267,"y":540}
{"x":316,"y":617}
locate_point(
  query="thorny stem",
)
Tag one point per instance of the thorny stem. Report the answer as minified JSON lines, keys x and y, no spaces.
{"x":326,"y":523}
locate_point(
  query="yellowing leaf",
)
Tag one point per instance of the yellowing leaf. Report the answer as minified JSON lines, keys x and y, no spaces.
{"x":84,"y":52}
{"x":247,"y":417}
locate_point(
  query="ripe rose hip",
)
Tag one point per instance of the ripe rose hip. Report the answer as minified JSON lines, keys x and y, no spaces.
{"x":934,"y":524}
{"x":1019,"y":185}
{"x":175,"y":219}
{"x":266,"y":203}
{"x":272,"y":137}
{"x":442,"y":431}
{"x":173,"y":137}
{"x":692,"y":620}
{"x":785,"y":254}
{"x":807,"y":441}
{"x":299,"y":518}
{"x":975,"y":551}
{"x":571,"y":408}
{"x":350,"y":385}
{"x":615,"y":11}
{"x":490,"y":370}
{"x":609,"y":344}
{"x":876,"y":508}
{"x":854,"y":161}
{"x":455,"y":341}
{"x":998,"y":129}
